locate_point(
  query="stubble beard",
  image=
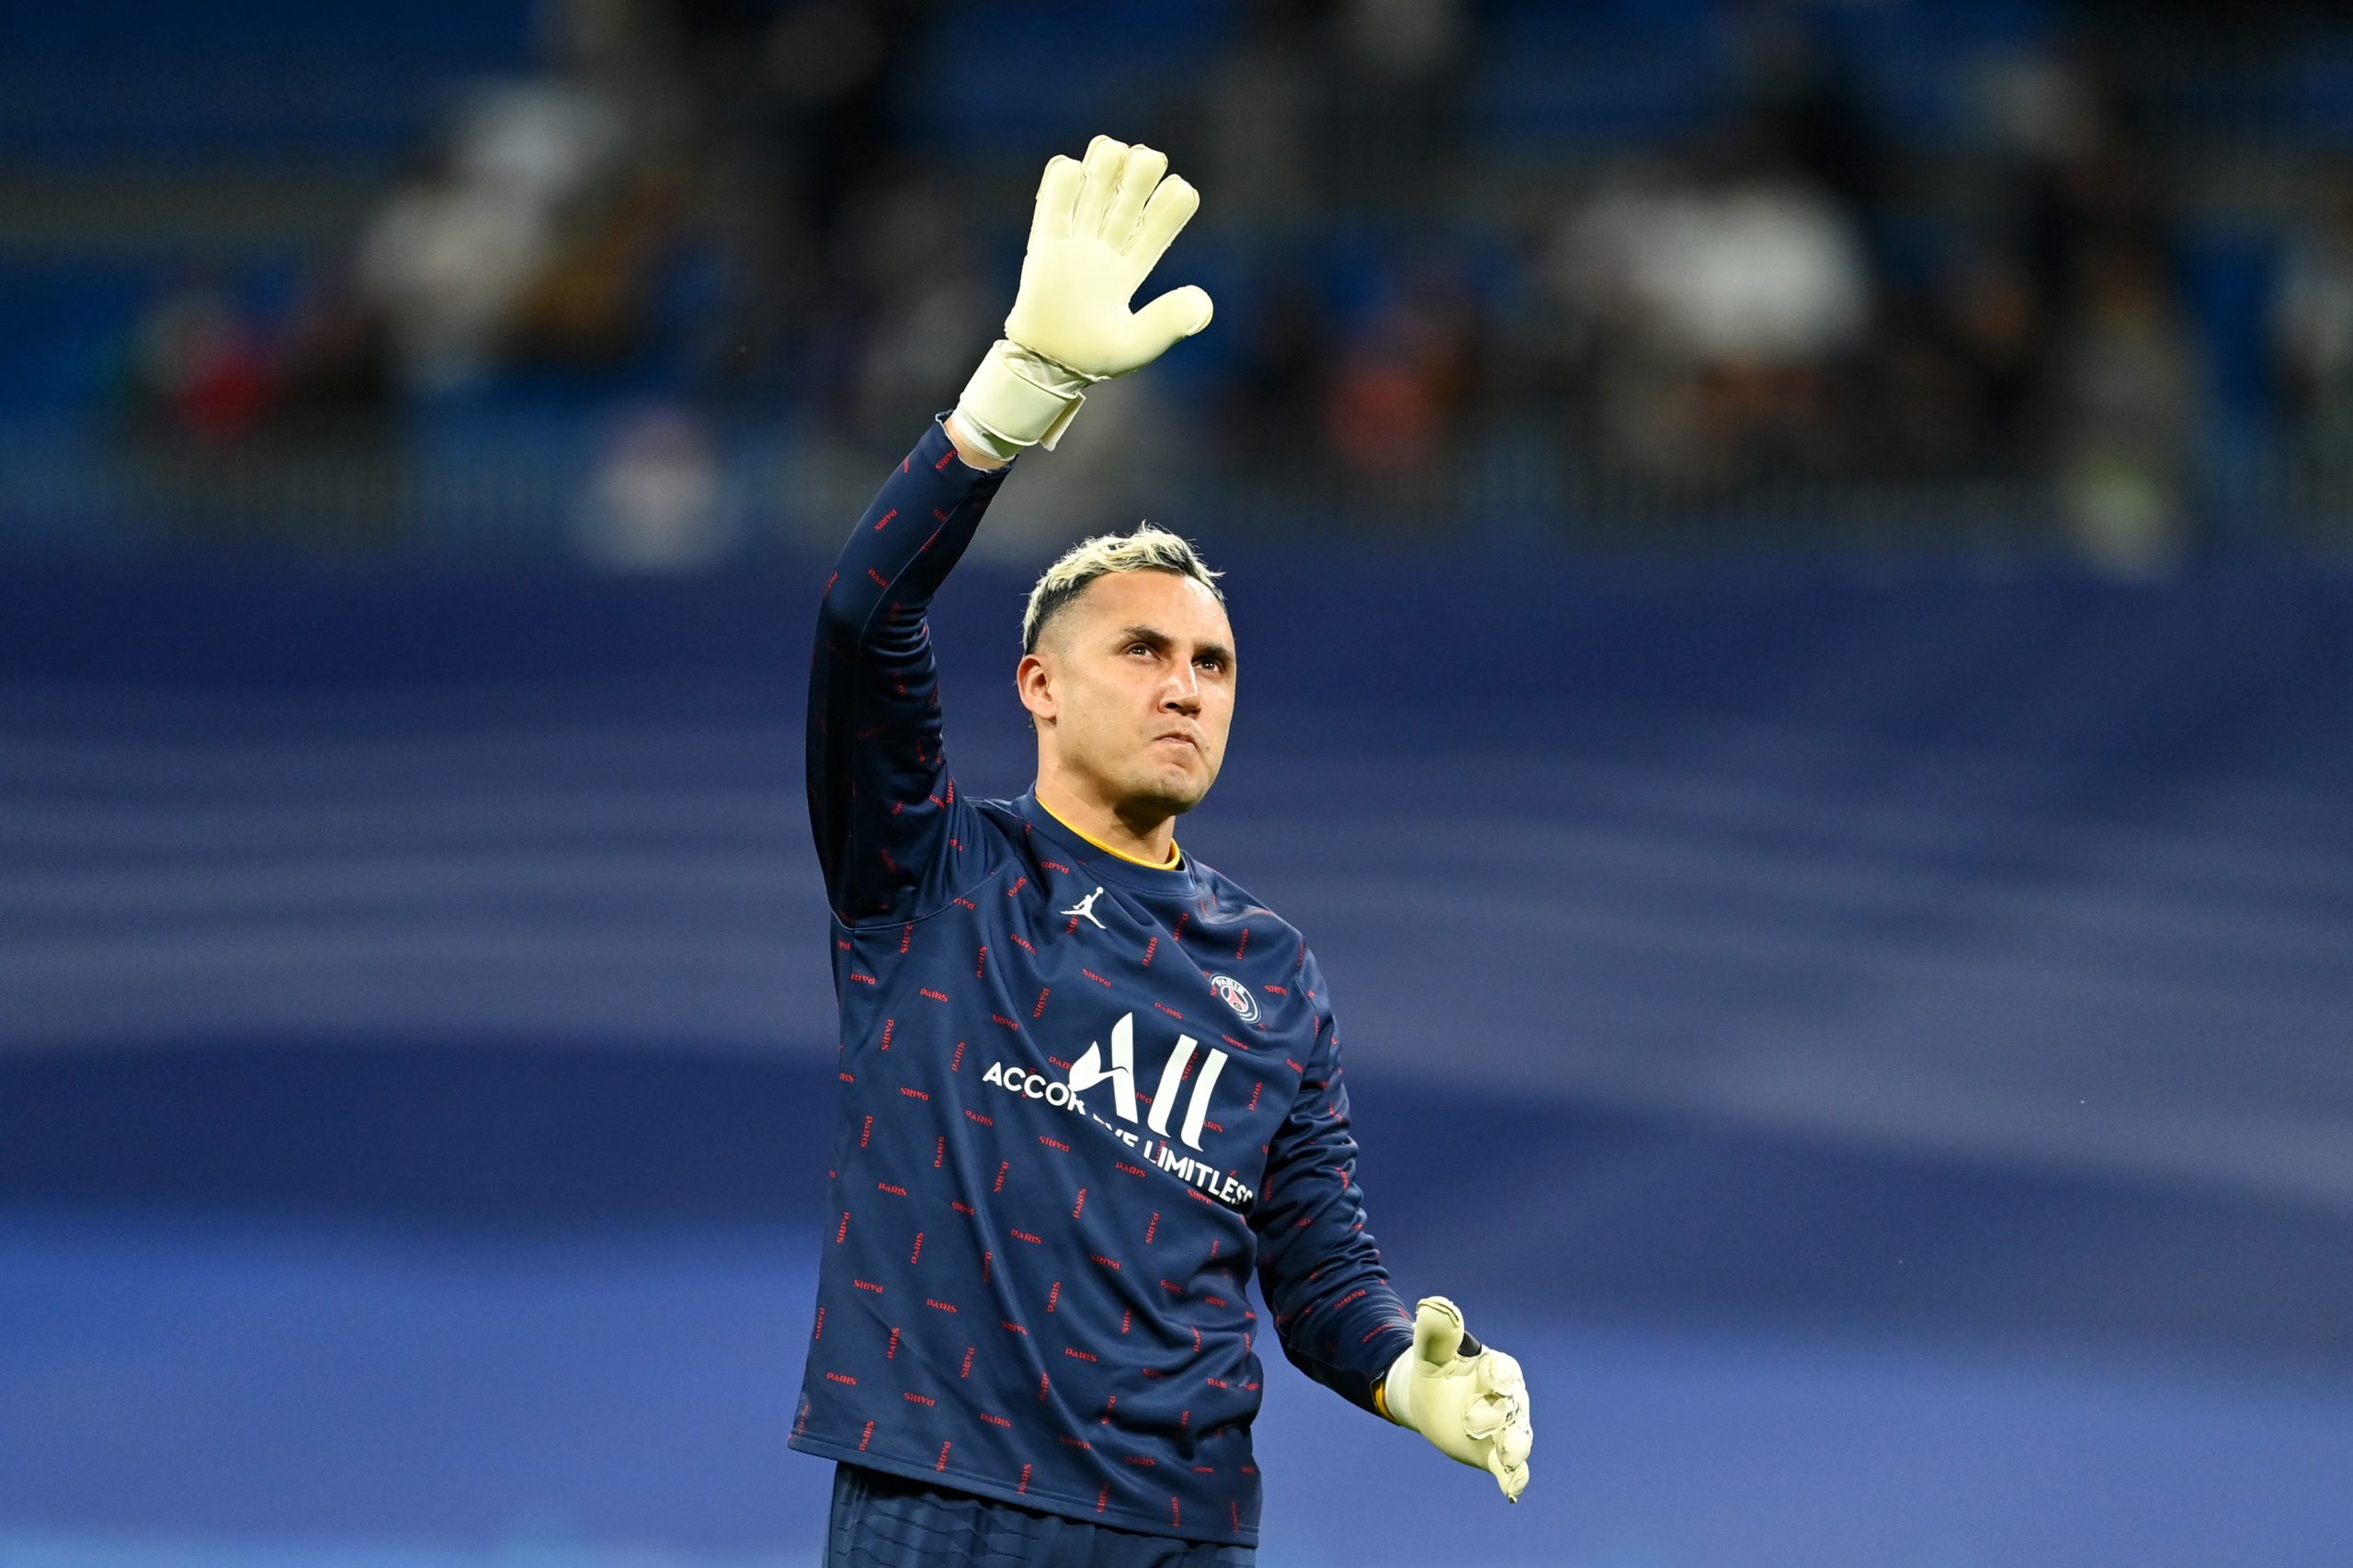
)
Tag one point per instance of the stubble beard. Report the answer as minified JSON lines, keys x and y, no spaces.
{"x":1164,"y":790}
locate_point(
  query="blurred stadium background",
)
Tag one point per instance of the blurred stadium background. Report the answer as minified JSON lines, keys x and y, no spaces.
{"x":1818,"y":532}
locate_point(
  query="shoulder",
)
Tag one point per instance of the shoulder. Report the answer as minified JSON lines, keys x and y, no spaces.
{"x":1225,"y":901}
{"x":1221,"y":892}
{"x":999,"y":828}
{"x":1004,"y":813}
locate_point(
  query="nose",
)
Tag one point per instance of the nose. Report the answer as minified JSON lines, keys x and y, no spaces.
{"x":1183,"y":693}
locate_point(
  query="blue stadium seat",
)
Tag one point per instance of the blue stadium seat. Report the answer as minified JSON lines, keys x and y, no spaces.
{"x":1576,"y":76}
{"x":111,"y":82}
{"x":64,"y":328}
{"x":971,"y":83}
{"x":1918,"y":62}
{"x":2318,"y":97}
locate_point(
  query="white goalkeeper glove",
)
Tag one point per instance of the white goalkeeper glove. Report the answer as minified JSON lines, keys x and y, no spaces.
{"x":1467,"y":1399}
{"x":1099,"y":229}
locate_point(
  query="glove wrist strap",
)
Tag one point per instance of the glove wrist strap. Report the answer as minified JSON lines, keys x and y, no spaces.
{"x":1396,"y":1397}
{"x":1019,"y":398}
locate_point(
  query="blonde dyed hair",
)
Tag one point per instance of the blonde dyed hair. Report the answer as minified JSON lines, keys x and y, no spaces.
{"x":1148,"y":549}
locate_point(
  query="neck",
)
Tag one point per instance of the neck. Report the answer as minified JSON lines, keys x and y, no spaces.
{"x":1086,"y":812}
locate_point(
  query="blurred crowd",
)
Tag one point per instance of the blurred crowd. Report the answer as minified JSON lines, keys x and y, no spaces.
{"x":705,"y":217}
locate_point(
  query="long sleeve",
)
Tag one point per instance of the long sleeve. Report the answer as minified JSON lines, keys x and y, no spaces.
{"x":882,"y":801}
{"x":1318,"y":1268}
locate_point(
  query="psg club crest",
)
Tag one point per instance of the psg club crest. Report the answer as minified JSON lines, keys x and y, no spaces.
{"x":1237,"y":997}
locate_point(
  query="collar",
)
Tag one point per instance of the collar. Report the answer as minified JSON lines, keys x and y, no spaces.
{"x":1175,"y":862}
{"x":1102,"y":859}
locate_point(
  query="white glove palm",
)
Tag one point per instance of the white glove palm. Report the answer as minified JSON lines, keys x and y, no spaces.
{"x":1469,"y":1401}
{"x":1099,"y":230}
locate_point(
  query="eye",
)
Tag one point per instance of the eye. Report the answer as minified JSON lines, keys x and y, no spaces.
{"x":1211,"y":661}
{"x":1134,"y":647}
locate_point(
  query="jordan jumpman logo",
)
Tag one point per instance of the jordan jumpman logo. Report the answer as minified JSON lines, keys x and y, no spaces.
{"x":1086,"y":907}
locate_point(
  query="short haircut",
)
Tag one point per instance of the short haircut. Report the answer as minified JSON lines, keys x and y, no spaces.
{"x":1148,"y":549}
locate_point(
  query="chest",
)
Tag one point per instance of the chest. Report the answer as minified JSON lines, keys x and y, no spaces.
{"x":1173,"y":1030}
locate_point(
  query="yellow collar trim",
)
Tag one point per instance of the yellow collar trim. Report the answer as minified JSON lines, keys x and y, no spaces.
{"x":1176,"y":854}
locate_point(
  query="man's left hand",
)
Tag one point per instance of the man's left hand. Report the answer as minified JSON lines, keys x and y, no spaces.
{"x":1469,"y":1401}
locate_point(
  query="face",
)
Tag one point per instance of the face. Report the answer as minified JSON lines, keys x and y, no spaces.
{"x":1132,"y":688}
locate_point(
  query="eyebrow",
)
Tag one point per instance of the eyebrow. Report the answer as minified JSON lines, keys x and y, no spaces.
{"x":1160,"y":639}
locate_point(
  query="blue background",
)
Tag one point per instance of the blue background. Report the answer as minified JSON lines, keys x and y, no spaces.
{"x":1886,"y":1079}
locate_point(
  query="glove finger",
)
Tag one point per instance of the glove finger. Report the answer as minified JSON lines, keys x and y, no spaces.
{"x":1180,"y":313}
{"x":1057,"y":193}
{"x":1438,"y":1329}
{"x":1514,"y":1445}
{"x":1101,"y":170}
{"x":1170,"y":208}
{"x":1498,"y":1373}
{"x":1512,"y":1478}
{"x":1138,"y":176}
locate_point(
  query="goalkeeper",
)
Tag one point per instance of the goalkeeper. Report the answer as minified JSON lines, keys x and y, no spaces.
{"x":1089,"y":1085}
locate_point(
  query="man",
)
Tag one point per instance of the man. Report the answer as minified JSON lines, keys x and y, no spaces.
{"x":1089,"y":1085}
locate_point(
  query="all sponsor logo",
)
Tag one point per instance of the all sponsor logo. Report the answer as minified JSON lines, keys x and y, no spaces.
{"x":1092,"y":1069}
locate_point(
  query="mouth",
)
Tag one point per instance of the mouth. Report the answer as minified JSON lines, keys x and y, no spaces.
{"x":1177,"y":740}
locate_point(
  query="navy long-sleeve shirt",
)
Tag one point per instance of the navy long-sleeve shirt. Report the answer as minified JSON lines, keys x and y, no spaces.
{"x":1081,"y":1101}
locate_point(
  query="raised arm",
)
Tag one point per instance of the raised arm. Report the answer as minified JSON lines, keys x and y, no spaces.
{"x":882,"y":801}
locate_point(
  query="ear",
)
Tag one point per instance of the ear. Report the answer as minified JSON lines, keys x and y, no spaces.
{"x":1034,"y":679}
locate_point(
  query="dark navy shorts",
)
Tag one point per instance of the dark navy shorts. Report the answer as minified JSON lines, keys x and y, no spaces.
{"x":887,"y":1521}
